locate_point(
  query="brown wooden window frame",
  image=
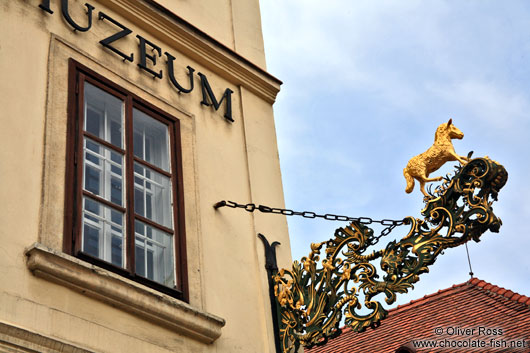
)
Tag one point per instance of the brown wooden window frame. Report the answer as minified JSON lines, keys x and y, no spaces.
{"x":78,"y":75}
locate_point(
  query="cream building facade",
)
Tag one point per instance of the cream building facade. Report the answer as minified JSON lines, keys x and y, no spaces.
{"x":123,"y":123}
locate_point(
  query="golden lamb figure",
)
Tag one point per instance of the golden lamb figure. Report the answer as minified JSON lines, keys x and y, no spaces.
{"x":438,"y":154}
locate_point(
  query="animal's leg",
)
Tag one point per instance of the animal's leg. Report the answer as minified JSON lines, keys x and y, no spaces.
{"x":424,"y":179}
{"x":422,"y":187}
{"x":462,"y":160}
{"x":409,"y":179}
{"x":432,"y":179}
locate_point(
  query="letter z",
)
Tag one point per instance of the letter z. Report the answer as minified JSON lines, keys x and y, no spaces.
{"x":107,"y":41}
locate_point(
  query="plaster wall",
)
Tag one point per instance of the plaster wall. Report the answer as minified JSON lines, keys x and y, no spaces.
{"x":234,"y":23}
{"x":221,"y":160}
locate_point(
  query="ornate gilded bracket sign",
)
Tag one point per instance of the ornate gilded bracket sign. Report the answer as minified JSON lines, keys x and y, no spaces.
{"x":339,"y":276}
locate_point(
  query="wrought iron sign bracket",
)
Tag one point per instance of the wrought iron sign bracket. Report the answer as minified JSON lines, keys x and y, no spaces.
{"x":339,"y":276}
{"x":272,"y":270}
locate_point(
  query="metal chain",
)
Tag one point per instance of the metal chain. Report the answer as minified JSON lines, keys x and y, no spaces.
{"x":251,"y":207}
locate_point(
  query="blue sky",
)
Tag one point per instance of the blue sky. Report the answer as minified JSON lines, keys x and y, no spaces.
{"x":366,"y":83}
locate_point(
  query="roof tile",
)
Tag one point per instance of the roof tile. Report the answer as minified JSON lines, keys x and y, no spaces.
{"x":502,"y":291}
{"x":474,"y":280}
{"x":522,"y":299}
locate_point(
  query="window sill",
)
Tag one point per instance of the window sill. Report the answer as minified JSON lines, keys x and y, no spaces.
{"x":120,"y":292}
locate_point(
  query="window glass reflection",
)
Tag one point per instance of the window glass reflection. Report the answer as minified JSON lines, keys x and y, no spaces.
{"x":102,"y":232}
{"x":151,"y":140}
{"x":103,"y":115}
{"x":154,"y":254}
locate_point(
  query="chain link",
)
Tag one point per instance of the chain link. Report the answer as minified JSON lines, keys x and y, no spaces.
{"x":251,"y":207}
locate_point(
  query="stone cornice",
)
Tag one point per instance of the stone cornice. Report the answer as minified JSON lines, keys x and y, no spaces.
{"x":17,"y":339}
{"x":120,"y":292}
{"x":192,"y":42}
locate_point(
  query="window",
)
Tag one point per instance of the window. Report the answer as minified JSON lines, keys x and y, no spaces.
{"x":124,"y":208}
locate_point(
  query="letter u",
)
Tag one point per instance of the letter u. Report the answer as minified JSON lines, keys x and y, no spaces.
{"x":171,"y":73}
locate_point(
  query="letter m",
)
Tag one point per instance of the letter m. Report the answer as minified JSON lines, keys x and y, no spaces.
{"x":208,"y":96}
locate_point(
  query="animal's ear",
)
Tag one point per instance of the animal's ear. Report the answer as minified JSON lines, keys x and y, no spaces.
{"x":449,"y":122}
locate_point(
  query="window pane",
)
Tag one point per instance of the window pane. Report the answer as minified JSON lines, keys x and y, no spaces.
{"x":152,"y":195}
{"x":103,"y":172}
{"x":154,"y":254}
{"x":103,"y":115}
{"x":103,"y":232}
{"x":151,"y":140}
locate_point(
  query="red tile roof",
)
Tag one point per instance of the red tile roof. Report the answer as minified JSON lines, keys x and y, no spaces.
{"x":468,"y":314}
